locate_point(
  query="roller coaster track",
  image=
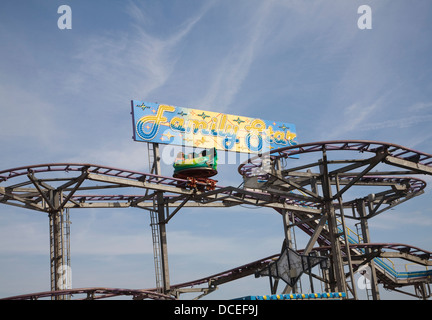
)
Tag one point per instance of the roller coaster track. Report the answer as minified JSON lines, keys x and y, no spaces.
{"x":176,"y":190}
{"x":402,"y":251}
{"x":32,"y":198}
{"x":95,"y":293}
{"x":380,"y":250}
{"x":397,"y":155}
{"x":274,"y":175}
{"x":281,"y":188}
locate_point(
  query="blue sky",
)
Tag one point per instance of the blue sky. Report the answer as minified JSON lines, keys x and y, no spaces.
{"x":65,"y":97}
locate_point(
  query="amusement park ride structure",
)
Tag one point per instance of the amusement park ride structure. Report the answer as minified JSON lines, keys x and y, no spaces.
{"x":317,"y":197}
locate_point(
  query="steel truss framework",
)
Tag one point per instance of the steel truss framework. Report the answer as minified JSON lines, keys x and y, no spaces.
{"x":315,"y":197}
{"x":95,"y":294}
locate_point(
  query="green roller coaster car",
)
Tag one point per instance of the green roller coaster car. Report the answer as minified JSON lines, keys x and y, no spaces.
{"x":196,"y":165}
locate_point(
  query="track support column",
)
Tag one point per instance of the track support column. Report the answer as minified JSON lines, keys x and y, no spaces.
{"x":161,"y":225}
{"x":56,"y":243}
{"x":290,"y":242}
{"x":329,"y":210}
{"x":361,"y":208}
{"x":163,"y":244}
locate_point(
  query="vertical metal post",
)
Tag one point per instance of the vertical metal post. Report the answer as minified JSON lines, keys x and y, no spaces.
{"x":52,"y":250}
{"x":56,"y":242}
{"x":287,"y":231}
{"x":156,"y":249}
{"x":347,"y":244}
{"x":366,"y":239}
{"x":309,"y":271}
{"x":329,"y":210}
{"x":325,"y":272}
{"x":161,"y":224}
{"x":163,"y":243}
{"x":66,"y":252}
{"x":289,"y":243}
{"x":321,"y":224}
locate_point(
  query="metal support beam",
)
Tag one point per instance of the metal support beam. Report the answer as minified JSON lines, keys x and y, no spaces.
{"x":56,"y":244}
{"x":373,"y":162}
{"x":336,"y":253}
{"x":361,"y":208}
{"x":163,"y":244}
{"x":290,"y":242}
{"x":314,"y":237}
{"x":162,"y":225}
{"x":347,"y":244}
{"x":410,"y":165}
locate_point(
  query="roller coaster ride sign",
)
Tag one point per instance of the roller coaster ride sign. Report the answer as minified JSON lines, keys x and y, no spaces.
{"x":160,"y":123}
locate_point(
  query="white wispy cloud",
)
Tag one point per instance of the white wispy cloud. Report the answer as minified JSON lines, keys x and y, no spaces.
{"x":135,"y":63}
{"x":229,"y":75}
{"x":412,"y":115}
{"x":353,"y":118}
{"x":109,"y":69}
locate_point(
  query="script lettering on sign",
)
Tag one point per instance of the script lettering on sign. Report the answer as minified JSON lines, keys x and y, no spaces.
{"x":166,"y":124}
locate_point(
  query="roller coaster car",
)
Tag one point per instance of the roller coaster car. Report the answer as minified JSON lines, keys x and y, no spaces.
{"x":197,"y":167}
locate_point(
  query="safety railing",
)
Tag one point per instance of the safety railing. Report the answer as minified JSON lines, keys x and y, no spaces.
{"x":386,"y":264}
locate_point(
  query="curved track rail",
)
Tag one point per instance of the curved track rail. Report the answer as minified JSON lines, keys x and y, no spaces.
{"x":78,"y":193}
{"x":396,"y":154}
{"x":397,"y":250}
{"x":95,"y":293}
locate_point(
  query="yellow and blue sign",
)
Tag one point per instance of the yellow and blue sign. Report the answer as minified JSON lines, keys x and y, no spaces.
{"x":166,"y":124}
